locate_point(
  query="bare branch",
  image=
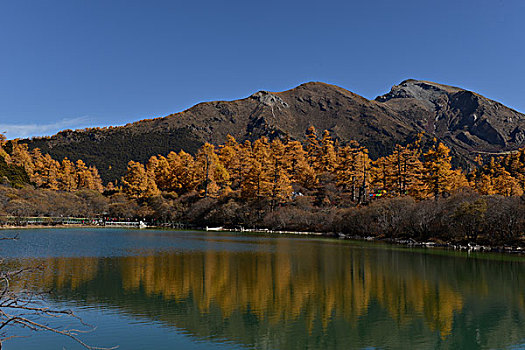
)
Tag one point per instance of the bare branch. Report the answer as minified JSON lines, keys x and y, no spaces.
{"x":14,"y":238}
{"x":26,"y":308}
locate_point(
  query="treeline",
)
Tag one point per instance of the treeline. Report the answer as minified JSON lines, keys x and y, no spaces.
{"x":46,"y":172}
{"x":114,"y":146}
{"x":321,"y":186}
{"x":280,"y":170}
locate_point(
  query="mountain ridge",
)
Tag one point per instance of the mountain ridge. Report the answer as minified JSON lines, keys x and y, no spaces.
{"x":465,"y":121}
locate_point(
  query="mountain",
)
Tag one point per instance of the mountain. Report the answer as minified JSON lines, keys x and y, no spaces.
{"x":465,"y":121}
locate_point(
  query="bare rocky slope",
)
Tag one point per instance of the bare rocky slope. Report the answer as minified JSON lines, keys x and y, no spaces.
{"x":465,"y":121}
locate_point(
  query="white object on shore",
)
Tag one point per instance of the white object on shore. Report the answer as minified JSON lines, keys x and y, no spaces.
{"x":140,"y":224}
{"x":220,"y":228}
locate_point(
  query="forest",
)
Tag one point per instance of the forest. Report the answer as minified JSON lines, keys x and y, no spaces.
{"x":321,"y":185}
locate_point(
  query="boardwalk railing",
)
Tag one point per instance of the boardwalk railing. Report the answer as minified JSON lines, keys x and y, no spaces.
{"x":47,"y":221}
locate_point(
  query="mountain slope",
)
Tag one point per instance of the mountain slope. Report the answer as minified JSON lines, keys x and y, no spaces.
{"x":464,"y":120}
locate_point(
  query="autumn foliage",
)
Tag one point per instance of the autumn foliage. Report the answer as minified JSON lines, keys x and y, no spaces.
{"x":321,"y":185}
{"x":46,"y":172}
{"x":280,"y":170}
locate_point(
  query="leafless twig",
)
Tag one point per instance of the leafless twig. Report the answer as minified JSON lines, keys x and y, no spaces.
{"x":20,"y":307}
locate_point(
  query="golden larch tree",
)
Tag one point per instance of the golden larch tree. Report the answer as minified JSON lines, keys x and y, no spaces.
{"x":256,"y":175}
{"x":210,"y":171}
{"x":440,"y":178}
{"x":137,"y":182}
{"x":298,"y":167}
{"x":281,"y":184}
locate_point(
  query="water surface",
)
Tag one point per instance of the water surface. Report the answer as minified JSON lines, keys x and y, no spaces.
{"x":153,"y":289}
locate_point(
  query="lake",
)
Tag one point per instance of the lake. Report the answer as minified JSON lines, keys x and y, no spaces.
{"x":161,"y":289}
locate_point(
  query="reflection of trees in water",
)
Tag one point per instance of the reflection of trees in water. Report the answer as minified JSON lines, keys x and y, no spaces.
{"x":322,"y":290}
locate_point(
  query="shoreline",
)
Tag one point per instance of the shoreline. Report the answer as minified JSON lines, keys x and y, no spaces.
{"x":25,"y":227}
{"x":404,"y":242}
{"x":469,"y":247}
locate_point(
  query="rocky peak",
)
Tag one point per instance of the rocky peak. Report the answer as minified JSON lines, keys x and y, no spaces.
{"x":269,"y":99}
{"x":429,"y":93}
{"x":465,"y":118}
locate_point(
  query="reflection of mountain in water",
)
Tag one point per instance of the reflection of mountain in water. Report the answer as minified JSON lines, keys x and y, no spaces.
{"x":325,"y":295}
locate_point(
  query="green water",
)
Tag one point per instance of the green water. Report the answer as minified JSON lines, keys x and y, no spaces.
{"x":147,"y":289}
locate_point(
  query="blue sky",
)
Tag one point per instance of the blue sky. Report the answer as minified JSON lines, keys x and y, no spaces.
{"x":72,"y":64}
